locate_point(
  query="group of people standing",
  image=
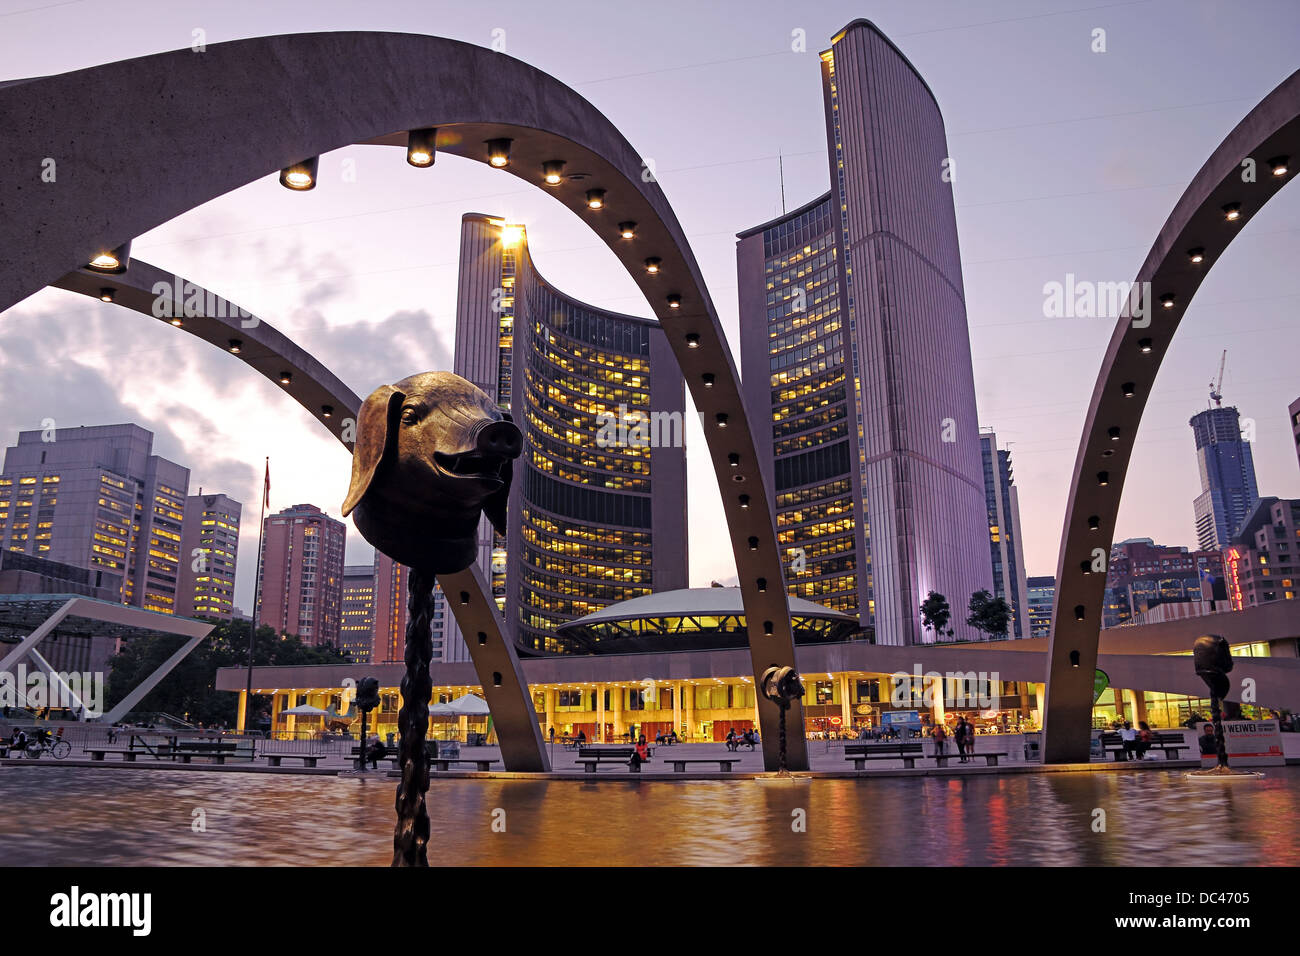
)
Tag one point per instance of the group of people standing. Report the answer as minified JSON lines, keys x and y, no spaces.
{"x":963,"y":735}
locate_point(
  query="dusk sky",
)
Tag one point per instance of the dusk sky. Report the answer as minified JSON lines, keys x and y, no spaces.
{"x":1067,"y":161}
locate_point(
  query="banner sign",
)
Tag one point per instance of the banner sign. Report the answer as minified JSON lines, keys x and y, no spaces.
{"x":1250,"y":743}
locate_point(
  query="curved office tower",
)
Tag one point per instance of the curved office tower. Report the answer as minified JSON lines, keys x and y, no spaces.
{"x":598,"y":503}
{"x":854,"y":342}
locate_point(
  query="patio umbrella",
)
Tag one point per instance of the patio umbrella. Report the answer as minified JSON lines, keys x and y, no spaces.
{"x":469,"y":706}
{"x":304,"y":710}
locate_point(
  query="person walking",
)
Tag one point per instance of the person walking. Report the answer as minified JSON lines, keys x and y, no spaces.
{"x":959,"y":736}
{"x":970,"y":741}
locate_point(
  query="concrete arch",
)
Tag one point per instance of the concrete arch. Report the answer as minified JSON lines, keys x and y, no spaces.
{"x":336,"y":406}
{"x":1128,"y":372}
{"x":186,"y":127}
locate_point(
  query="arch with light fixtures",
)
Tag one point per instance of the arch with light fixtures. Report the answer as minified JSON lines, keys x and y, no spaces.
{"x":1208,"y":216}
{"x":242,"y":109}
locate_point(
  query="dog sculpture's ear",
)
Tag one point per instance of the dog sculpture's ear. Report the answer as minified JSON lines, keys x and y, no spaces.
{"x":494,"y":508}
{"x":376,"y":436}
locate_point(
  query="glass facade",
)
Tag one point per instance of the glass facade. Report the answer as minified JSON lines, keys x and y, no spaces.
{"x":603,"y":424}
{"x":811,"y":410}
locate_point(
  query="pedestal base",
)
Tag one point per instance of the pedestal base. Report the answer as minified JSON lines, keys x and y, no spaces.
{"x":1225,"y":774}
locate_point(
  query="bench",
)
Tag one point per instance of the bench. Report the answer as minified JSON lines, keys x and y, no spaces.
{"x":593,"y":757}
{"x":990,"y":759}
{"x":308,"y":760}
{"x":1170,"y":743}
{"x":724,"y":763}
{"x":97,"y":753}
{"x":860,"y":753}
{"x":444,"y":763}
{"x":216,"y":749}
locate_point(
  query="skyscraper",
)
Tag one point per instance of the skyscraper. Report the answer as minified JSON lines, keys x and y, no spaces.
{"x":357,"y":631}
{"x":1041,"y":591}
{"x":209,"y":552}
{"x":855,"y":348}
{"x":1227,"y":467}
{"x":1006,"y":546}
{"x":301,"y":574}
{"x":96,"y":497}
{"x":1293,"y":415}
{"x":598,"y":502}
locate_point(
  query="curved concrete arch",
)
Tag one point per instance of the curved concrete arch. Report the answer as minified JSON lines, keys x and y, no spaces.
{"x":1128,"y":372}
{"x":189,"y":127}
{"x":268,"y":351}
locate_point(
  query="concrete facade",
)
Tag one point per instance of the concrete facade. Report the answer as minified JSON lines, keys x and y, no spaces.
{"x":209,"y":556}
{"x":97,"y":497}
{"x":301,"y":574}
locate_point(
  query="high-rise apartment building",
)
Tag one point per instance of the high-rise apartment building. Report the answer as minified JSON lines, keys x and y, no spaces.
{"x":855,"y":352}
{"x":1227,"y":468}
{"x":1262,"y":564}
{"x":598,"y":503}
{"x":301,"y":574}
{"x":98,"y":498}
{"x":1041,"y":591}
{"x":1143,"y":575}
{"x":357,"y":631}
{"x":1293,"y":415}
{"x":1006,"y":546}
{"x":209,"y":552}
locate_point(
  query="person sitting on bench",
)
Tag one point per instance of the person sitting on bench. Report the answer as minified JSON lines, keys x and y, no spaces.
{"x":374,"y":750}
{"x":1128,"y":737}
{"x":1145,"y":738}
{"x":732,"y":744}
{"x":640,"y":755}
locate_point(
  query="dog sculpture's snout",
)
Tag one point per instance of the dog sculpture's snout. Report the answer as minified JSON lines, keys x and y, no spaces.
{"x":499,"y":438}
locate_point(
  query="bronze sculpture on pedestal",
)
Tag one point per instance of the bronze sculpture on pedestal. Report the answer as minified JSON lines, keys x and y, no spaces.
{"x":432,"y":454}
{"x":782,"y":686}
{"x":1213,"y":660}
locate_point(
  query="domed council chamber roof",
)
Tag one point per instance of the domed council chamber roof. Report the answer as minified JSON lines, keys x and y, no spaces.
{"x":693,"y":619}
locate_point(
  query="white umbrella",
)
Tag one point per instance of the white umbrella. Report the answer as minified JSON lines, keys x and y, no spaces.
{"x":443,"y":709}
{"x":304,"y":710}
{"x":469,"y":706}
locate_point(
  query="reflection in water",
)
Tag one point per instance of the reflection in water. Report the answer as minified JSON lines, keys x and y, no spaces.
{"x":78,"y":816}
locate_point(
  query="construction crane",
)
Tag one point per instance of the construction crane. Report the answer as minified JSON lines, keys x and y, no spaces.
{"x":1216,"y":390}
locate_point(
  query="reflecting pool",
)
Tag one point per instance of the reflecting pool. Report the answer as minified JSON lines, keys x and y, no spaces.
{"x":80,"y":816}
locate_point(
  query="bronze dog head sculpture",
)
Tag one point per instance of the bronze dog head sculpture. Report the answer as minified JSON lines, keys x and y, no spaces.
{"x":432,"y":453}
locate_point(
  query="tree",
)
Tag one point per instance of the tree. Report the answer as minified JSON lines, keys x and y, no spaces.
{"x":935,"y":614}
{"x":189,"y":691}
{"x":989,"y":614}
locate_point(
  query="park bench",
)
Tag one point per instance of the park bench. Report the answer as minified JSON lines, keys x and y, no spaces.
{"x":444,"y":763}
{"x":990,"y":759}
{"x":97,"y":753}
{"x":218,"y":750}
{"x":1170,"y":743}
{"x":593,"y":757}
{"x":308,"y":760}
{"x":724,"y":763}
{"x":860,"y":753}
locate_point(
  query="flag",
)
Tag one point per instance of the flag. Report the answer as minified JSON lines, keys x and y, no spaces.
{"x":266,"y":488}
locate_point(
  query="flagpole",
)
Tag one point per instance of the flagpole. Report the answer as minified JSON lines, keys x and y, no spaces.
{"x":257,"y":589}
